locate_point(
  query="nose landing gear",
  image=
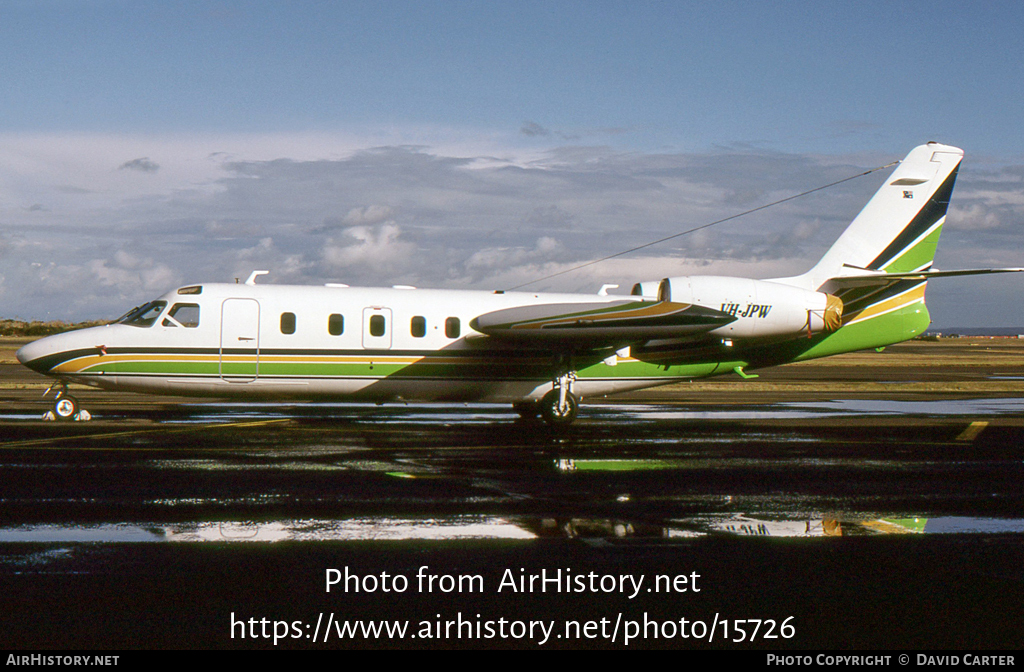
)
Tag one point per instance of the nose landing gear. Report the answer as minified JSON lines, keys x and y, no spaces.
{"x":65,"y":407}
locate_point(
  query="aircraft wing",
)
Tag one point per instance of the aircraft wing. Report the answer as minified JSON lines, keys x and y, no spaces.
{"x":601,"y":323}
{"x":867,"y":278}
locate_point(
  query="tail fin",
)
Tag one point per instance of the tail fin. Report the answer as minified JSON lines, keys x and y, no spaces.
{"x":898,"y":229}
{"x":879,"y":267}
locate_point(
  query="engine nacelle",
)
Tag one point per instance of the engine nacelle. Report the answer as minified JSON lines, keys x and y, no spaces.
{"x":646,"y":289}
{"x":761,"y":308}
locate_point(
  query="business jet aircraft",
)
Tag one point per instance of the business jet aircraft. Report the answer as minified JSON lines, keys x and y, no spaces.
{"x":541,"y":352}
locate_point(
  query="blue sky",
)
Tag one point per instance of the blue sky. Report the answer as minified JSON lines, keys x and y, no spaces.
{"x":472,"y":144}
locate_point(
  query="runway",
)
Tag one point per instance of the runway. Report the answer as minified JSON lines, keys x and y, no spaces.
{"x":859,"y":518}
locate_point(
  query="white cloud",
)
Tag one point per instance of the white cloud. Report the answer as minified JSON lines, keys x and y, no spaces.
{"x":128,"y":273}
{"x":375,"y":248}
{"x":370,"y":214}
{"x":974,"y":216}
{"x":487,"y":262}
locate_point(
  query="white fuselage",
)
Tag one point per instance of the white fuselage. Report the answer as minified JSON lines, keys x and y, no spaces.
{"x":322,"y":342}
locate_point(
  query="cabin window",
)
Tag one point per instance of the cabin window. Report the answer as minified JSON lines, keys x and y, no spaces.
{"x":287,"y":323}
{"x":378,"y":325}
{"x":336,"y":324}
{"x":418,"y":326}
{"x":145,"y":315}
{"x":452,"y":327}
{"x":183,"y":314}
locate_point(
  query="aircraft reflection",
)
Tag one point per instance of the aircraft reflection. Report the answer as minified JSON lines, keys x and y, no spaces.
{"x":483,"y":527}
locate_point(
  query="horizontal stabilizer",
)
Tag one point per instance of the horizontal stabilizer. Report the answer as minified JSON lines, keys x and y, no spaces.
{"x":867,"y":278}
{"x":618,"y":321}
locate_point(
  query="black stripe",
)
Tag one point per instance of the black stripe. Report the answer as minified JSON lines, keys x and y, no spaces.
{"x":932,"y":212}
{"x":47,"y":363}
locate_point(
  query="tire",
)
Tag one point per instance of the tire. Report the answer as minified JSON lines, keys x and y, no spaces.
{"x":65,"y":408}
{"x":553,"y":415}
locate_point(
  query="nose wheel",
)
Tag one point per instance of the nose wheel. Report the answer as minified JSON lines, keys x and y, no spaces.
{"x":65,"y":407}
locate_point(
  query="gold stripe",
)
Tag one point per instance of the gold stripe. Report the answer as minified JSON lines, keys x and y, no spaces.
{"x":899,"y":301}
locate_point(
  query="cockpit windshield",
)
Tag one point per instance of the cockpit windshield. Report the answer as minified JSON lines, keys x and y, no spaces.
{"x":145,"y":315}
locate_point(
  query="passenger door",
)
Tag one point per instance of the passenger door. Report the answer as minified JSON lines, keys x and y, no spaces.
{"x":240,"y":340}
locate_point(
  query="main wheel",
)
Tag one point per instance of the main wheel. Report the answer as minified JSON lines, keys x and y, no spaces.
{"x":553,"y":414}
{"x":66,"y":407}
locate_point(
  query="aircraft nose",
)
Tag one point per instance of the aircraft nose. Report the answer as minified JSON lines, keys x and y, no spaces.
{"x":33,"y":355}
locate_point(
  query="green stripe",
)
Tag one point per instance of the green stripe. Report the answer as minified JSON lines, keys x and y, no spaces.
{"x":920,"y":255}
{"x":899,"y":325}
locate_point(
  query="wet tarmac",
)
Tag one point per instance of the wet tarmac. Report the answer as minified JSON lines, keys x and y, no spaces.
{"x":856,"y":523}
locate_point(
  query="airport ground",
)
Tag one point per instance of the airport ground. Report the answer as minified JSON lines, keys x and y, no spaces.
{"x":866,"y":501}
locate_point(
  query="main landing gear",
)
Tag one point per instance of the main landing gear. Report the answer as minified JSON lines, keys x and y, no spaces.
{"x":65,"y":407}
{"x":558,"y":408}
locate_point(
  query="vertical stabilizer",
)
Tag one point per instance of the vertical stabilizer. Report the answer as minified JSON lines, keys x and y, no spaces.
{"x":898,"y":229}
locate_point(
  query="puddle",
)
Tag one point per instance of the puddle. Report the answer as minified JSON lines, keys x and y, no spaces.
{"x":938,"y":407}
{"x":456,"y":528}
{"x":821,"y":409}
{"x":473,"y":413}
{"x":354,"y":529}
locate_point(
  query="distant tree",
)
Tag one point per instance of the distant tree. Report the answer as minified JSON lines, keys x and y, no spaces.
{"x":22,"y":328}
